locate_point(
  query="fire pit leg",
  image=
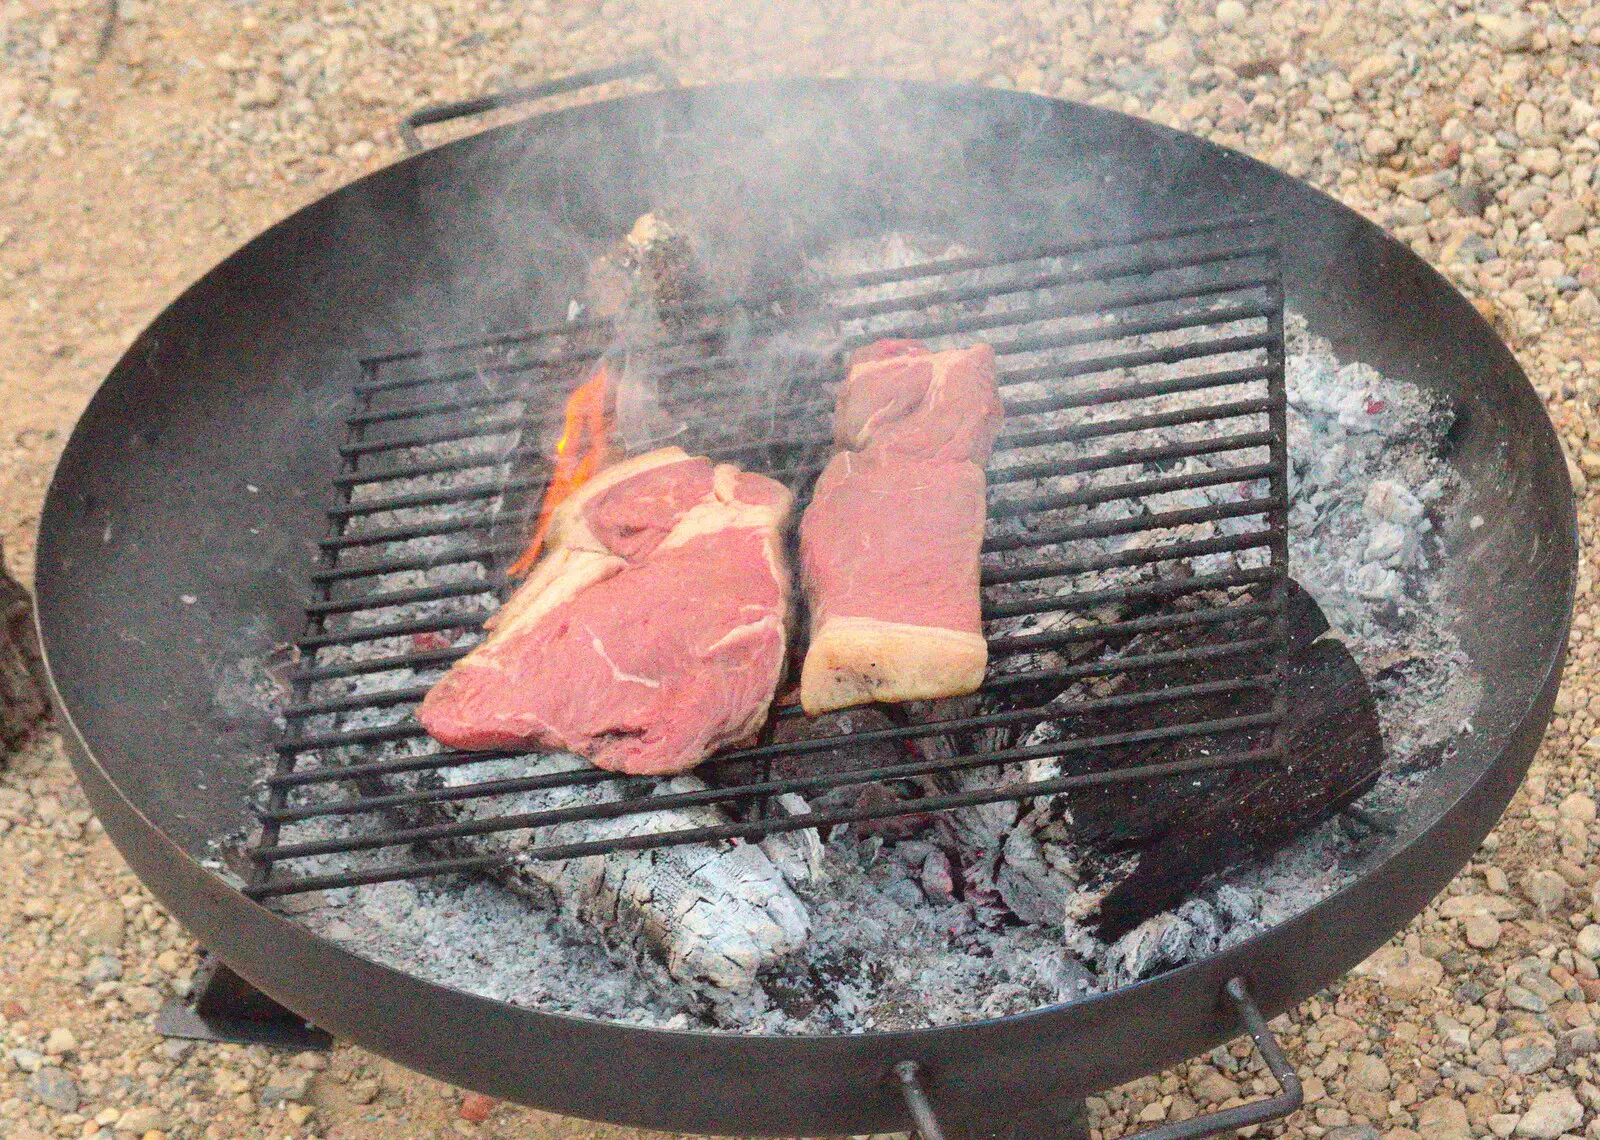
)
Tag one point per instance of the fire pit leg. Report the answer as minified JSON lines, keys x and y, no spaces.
{"x":225,"y":1007}
{"x":1071,"y":1120}
{"x":1068,"y":1120}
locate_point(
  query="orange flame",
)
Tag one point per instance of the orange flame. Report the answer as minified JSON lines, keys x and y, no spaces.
{"x":580,"y":453}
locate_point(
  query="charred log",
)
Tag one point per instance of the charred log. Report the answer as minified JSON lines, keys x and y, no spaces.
{"x":1130,"y":817}
{"x":23,"y":704}
{"x":1333,"y":755}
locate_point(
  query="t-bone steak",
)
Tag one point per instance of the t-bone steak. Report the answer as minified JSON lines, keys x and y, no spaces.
{"x":889,"y":545}
{"x":651,"y":634}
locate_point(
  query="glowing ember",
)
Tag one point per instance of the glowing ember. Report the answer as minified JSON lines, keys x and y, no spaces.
{"x":580,"y":452}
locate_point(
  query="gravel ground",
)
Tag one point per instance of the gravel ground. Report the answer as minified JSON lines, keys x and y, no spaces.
{"x":135,"y":152}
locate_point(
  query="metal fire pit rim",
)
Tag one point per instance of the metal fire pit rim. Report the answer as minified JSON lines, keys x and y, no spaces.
{"x":1275,"y":990}
{"x":275,"y":953}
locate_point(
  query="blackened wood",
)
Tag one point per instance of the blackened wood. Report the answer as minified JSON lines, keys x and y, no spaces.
{"x":23,"y":704}
{"x":1334,"y":753}
{"x":1304,"y":620}
{"x":1129,"y":817}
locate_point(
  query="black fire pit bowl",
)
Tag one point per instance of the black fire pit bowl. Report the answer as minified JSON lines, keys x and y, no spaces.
{"x":181,"y":529}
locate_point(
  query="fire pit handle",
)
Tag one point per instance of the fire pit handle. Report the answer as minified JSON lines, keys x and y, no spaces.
{"x":1290,"y":1098}
{"x":644,"y":65}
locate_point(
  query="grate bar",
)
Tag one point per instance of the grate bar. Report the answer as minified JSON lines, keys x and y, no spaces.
{"x":391,"y":598}
{"x":378,"y":665}
{"x":1071,"y":248}
{"x":1092,"y":397}
{"x":428,"y":761}
{"x":388,"y":698}
{"x":564,"y":329}
{"x":1134,"y":663}
{"x":1131,"y":297}
{"x":1060,"y":568}
{"x":492,"y":426}
{"x":777,"y":824}
{"x":1163,"y":623}
{"x":1130,"y":458}
{"x":1206,"y":413}
{"x":984,"y":291}
{"x":1093,"y":496}
{"x":1082,"y":398}
{"x":1144,"y":592}
{"x":408,"y":730}
{"x":1141,"y":358}
{"x":614,"y":810}
{"x":441,"y":407}
{"x":1125,"y":330}
{"x":314,"y":742}
{"x":1125,"y":664}
{"x":603,"y":327}
{"x":559,"y":359}
{"x":433,"y":833}
{"x":440,"y":498}
{"x":414,"y":531}
{"x":429,"y":561}
{"x":459,"y":620}
{"x":1133,"y":525}
{"x":1124,"y":393}
{"x":1106,"y":332}
{"x":365,"y":476}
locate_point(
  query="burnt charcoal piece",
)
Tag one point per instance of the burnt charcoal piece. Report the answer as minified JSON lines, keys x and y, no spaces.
{"x":1121,"y":818}
{"x":1334,"y":754}
{"x":654,"y":263}
{"x":839,"y":729}
{"x":1460,"y":417}
{"x":1304,"y":620}
{"x":23,"y":705}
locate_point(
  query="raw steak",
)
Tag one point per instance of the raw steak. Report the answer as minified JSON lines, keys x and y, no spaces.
{"x":889,"y":545}
{"x":652,"y":633}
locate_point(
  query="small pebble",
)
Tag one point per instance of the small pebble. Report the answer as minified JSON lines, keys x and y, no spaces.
{"x":1545,"y":889}
{"x":1551,"y":1114}
{"x":141,"y":1119}
{"x":28,"y":1060}
{"x":101,"y":969}
{"x":1482,"y":931}
{"x":1231,"y":13}
{"x":937,"y":881}
{"x":55,"y":1089}
{"x":1579,"y":807}
{"x":1380,"y":143}
{"x":476,"y":1107}
{"x":1529,"y":1052}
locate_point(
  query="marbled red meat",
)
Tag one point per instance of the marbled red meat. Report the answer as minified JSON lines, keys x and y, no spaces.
{"x":889,"y":545}
{"x":652,"y":633}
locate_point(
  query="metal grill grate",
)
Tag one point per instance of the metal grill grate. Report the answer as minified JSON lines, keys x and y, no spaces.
{"x":1134,"y":569}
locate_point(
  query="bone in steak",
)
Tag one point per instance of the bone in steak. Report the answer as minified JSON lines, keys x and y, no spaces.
{"x":889,"y":545}
{"x":651,"y":634}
